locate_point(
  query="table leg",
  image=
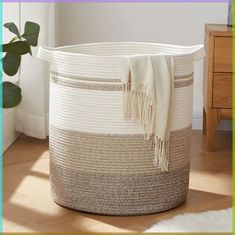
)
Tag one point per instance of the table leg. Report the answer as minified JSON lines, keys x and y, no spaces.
{"x":204,"y":122}
{"x":212,"y":118}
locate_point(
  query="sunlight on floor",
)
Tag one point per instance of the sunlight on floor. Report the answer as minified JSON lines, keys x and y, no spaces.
{"x":214,"y":183}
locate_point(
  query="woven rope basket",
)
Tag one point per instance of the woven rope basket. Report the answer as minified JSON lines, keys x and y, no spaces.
{"x":99,"y":162}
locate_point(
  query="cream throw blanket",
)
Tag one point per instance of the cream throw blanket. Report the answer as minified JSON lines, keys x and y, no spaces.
{"x":148,"y":90}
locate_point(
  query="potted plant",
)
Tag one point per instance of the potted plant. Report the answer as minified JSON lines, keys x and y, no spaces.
{"x":18,"y":46}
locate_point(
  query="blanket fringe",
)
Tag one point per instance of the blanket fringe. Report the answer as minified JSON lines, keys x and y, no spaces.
{"x":161,"y":149}
{"x":137,"y":106}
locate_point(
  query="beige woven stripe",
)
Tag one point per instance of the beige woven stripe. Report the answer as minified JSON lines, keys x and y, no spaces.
{"x":114,"y":174}
{"x":95,"y":79}
{"x":183,"y":82}
{"x":109,"y":153}
{"x":107,"y":86}
{"x":91,"y":79}
{"x":118,"y":194}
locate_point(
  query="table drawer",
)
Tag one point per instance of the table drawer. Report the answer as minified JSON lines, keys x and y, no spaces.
{"x":222,"y":90}
{"x":223,"y":54}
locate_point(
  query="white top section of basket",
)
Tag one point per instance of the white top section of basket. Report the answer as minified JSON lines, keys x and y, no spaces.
{"x":102,"y":60}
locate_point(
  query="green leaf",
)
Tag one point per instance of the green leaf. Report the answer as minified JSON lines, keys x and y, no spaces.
{"x":11,"y":63}
{"x":11,"y":95}
{"x":30,"y":51}
{"x":12,"y":28}
{"x":17,"y":47}
{"x":31,"y":32}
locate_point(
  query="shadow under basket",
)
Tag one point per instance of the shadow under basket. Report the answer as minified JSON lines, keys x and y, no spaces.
{"x":99,"y":162}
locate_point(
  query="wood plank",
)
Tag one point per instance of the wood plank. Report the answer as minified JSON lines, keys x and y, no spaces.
{"x":222,"y":90}
{"x":212,"y":119}
{"x":223,"y":54}
{"x":208,"y":71}
{"x":217,"y":83}
{"x":221,"y":30}
{"x":226,"y":114}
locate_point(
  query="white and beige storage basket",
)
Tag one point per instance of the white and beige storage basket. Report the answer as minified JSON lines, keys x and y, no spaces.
{"x":99,"y":162}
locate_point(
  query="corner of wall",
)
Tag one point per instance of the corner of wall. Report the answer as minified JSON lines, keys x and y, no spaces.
{"x":9,"y":133}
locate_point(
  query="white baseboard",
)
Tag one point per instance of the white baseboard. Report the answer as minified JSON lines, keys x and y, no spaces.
{"x":197,"y":121}
{"x":9,"y":133}
{"x":198,"y":118}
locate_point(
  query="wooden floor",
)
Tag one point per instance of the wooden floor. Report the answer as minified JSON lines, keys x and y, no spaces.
{"x":28,"y":207}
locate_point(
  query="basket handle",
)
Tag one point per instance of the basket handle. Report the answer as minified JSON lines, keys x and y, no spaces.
{"x":199,"y":53}
{"x":46,"y":53}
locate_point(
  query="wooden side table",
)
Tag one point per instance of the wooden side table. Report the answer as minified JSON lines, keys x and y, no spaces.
{"x":217,"y":83}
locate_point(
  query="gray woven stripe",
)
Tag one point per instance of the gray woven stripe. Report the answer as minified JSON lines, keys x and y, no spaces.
{"x":118,"y":194}
{"x":115,"y":153}
{"x":107,"y":86}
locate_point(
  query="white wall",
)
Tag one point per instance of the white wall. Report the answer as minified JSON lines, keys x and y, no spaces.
{"x":10,"y":14}
{"x":174,"y":23}
{"x":30,"y":116}
{"x":32,"y":112}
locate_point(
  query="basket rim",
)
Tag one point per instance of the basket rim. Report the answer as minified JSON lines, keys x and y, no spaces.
{"x":47,"y":53}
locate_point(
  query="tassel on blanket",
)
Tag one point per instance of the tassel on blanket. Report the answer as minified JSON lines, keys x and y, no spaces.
{"x":148,"y":90}
{"x":138,"y":107}
{"x":161,"y":154}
